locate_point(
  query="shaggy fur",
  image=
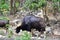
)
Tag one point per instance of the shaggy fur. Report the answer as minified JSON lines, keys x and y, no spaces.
{"x":3,"y":23}
{"x":31,"y":22}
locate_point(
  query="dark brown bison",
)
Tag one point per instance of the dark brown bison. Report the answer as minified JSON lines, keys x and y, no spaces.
{"x":32,"y":22}
{"x":3,"y":23}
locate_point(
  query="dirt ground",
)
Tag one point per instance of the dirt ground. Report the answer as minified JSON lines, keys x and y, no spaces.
{"x":17,"y":18}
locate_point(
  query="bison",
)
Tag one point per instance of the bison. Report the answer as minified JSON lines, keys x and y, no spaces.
{"x":3,"y":23}
{"x":32,"y":22}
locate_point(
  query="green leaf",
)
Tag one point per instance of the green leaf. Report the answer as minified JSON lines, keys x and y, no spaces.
{"x":34,"y":4}
{"x":24,"y":36}
{"x":17,"y":4}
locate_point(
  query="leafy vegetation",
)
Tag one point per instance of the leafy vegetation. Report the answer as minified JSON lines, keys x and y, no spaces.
{"x":10,"y":32}
{"x":4,"y":18}
{"x":24,"y":36}
{"x":4,"y":7}
{"x":55,"y":3}
{"x":34,"y":4}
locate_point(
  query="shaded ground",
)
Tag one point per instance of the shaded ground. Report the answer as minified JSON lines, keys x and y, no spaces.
{"x":35,"y":38}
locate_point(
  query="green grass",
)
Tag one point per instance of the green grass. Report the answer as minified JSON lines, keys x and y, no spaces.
{"x":24,"y":36}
